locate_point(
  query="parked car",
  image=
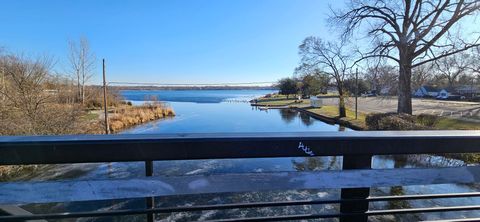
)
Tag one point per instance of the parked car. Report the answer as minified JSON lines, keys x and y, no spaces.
{"x":442,"y":97}
{"x":451,"y":97}
{"x":369,"y":94}
{"x":475,"y":99}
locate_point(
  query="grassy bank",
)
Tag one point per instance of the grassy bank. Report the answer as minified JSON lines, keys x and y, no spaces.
{"x":333,"y":113}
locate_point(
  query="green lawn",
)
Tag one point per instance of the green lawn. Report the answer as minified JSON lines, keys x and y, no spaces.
{"x":282,"y":102}
{"x":455,"y":124}
{"x":332,"y":112}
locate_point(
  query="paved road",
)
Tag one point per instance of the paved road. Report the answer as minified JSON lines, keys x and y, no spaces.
{"x":464,"y":110}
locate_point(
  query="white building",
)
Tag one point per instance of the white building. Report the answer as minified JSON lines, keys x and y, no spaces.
{"x":315,"y":101}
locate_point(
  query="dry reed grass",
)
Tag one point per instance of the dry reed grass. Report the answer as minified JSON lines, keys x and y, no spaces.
{"x":133,"y":115}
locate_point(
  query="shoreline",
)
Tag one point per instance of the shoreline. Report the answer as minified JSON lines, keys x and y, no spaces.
{"x":329,"y":120}
{"x":304,"y":108}
{"x":323,"y":118}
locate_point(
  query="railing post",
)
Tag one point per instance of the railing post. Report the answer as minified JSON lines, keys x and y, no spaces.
{"x":355,"y":162}
{"x":149,"y":200}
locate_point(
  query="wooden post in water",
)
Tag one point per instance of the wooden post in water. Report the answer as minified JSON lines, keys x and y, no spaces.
{"x":105,"y":108}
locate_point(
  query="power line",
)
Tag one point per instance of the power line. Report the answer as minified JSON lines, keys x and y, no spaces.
{"x":188,"y":84}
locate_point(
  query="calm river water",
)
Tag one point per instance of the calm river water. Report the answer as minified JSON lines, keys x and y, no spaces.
{"x":229,"y":111}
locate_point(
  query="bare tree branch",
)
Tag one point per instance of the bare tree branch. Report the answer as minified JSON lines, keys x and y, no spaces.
{"x":411,"y":33}
{"x":82,"y":64}
{"x":331,"y":58}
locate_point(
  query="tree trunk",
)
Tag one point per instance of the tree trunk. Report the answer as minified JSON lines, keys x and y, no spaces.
{"x":404,"y":87}
{"x":83,"y":94}
{"x":341,"y":103}
{"x":451,"y":82}
{"x":79,"y":90}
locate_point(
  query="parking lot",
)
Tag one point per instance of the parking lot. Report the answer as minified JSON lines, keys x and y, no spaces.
{"x":456,"y":109}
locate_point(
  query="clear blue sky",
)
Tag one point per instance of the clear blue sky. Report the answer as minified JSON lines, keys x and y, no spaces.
{"x":175,"y":41}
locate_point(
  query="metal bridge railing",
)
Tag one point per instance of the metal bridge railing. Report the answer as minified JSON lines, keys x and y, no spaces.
{"x":355,"y":179}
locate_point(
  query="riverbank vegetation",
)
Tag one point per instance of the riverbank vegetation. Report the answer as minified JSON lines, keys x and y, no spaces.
{"x":128,"y":116}
{"x":305,"y":84}
{"x":37,"y":100}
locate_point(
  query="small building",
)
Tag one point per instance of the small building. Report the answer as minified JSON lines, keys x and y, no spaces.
{"x":426,"y":91}
{"x":315,"y":102}
{"x":443,"y":94}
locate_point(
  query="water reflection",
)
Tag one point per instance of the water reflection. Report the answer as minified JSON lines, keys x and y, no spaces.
{"x":317,"y":163}
{"x":306,"y":119}
{"x":308,"y":164}
{"x":288,"y":115}
{"x":400,"y":161}
{"x":422,"y":161}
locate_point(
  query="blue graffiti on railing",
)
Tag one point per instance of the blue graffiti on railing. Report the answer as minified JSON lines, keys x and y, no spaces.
{"x":305,"y":149}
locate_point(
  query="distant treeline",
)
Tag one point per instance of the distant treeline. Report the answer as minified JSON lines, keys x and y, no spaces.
{"x":192,"y":87}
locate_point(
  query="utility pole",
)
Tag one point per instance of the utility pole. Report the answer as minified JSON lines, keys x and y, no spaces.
{"x":105,"y":108}
{"x":356,"y":93}
{"x":4,"y":86}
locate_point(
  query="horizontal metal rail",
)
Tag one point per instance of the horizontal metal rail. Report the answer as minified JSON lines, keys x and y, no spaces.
{"x":113,"y":213}
{"x":456,"y":220}
{"x":356,"y":148}
{"x":268,"y":204}
{"x":161,"y":186}
{"x":118,"y":148}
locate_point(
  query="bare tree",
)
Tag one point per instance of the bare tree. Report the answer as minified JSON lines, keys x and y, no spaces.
{"x":422,"y":75}
{"x":25,"y":79}
{"x":383,"y":78}
{"x":330,"y":57}
{"x":452,"y":67}
{"x":31,"y":101}
{"x":82,"y":64}
{"x":475,"y":63}
{"x":411,"y":33}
